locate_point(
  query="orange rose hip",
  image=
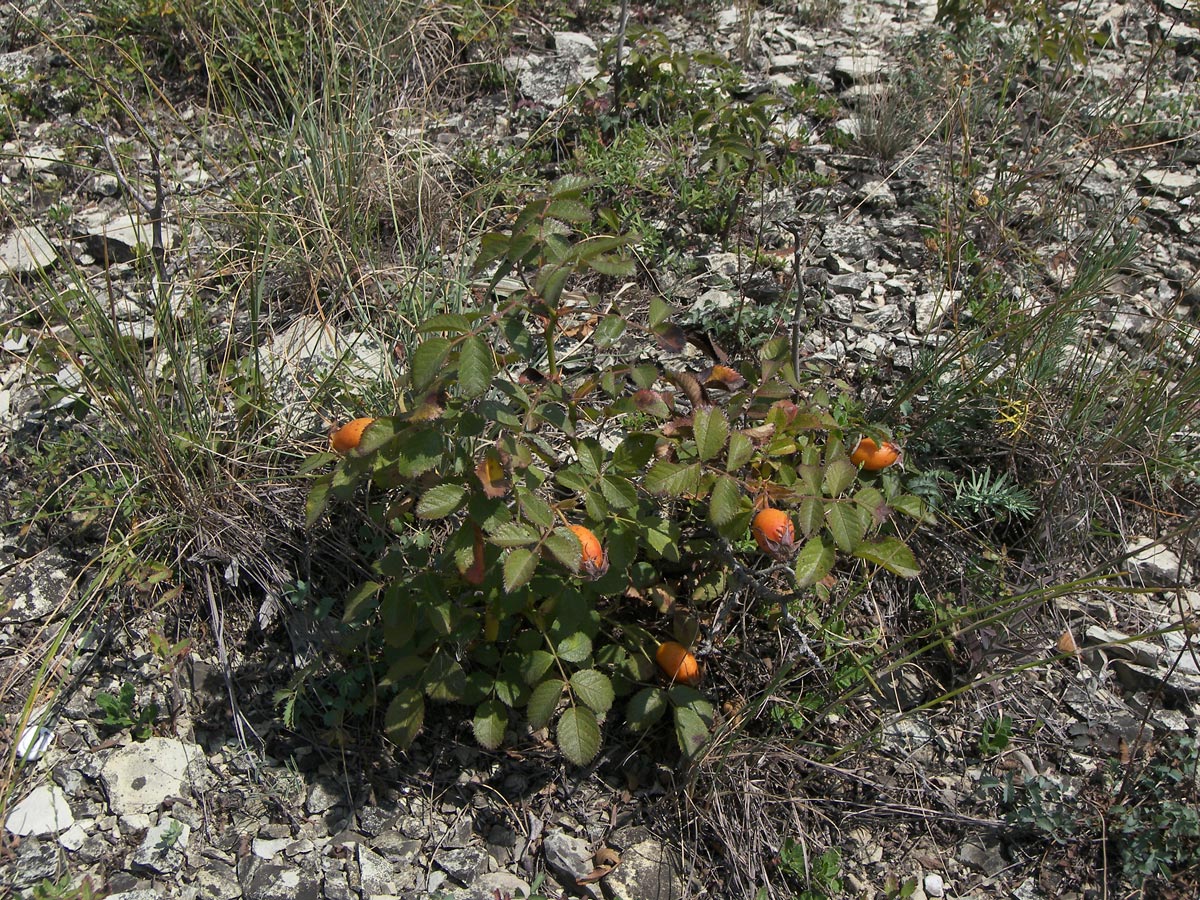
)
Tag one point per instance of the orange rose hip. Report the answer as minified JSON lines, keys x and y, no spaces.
{"x":774,"y":532}
{"x":349,"y":435}
{"x":593,"y":560}
{"x":678,"y":663}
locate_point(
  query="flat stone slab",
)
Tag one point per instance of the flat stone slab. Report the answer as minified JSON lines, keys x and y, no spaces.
{"x":44,"y":811}
{"x":1176,"y":185}
{"x":25,"y":251}
{"x":139,"y":777}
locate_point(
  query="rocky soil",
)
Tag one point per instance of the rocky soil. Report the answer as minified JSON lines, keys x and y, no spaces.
{"x":222,"y":801}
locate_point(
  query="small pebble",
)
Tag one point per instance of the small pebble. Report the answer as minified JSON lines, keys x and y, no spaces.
{"x":934,"y":886}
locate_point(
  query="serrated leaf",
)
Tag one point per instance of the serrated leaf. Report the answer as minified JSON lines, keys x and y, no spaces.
{"x":543,"y":701}
{"x":476,"y":366}
{"x":535,"y":664}
{"x":873,"y":505}
{"x":814,"y":561}
{"x":574,"y":648}
{"x":491,"y":718}
{"x":361,"y":603}
{"x":569,"y":211}
{"x":453,"y":323}
{"x":519,"y":567}
{"x":535,"y":509}
{"x":570,"y":186}
{"x":428,"y":361}
{"x":444,"y":678}
{"x":915,"y":508}
{"x":418,"y":453}
{"x":404,"y":717}
{"x":618,"y":491}
{"x":725,"y":501}
{"x":810,"y":477}
{"x":579,"y":735}
{"x":512,"y":534}
{"x":594,"y":689}
{"x":672,"y":478}
{"x":810,"y":515}
{"x":608,"y":331}
{"x":564,"y":546}
{"x":377,"y":434}
{"x":550,"y":283}
{"x":645,"y":708}
{"x":439,"y":501}
{"x":660,"y":311}
{"x":847,"y":525}
{"x":317,"y":500}
{"x":741,"y":448}
{"x":891,"y":553}
{"x":690,"y":731}
{"x":590,"y":455}
{"x":711,"y":430}
{"x":608,"y":264}
{"x":839,"y":475}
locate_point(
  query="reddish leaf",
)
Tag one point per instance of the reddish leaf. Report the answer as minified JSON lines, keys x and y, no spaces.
{"x":691,"y":388}
{"x":430,"y":408}
{"x":760,"y":433}
{"x":671,"y":337}
{"x":474,"y":574}
{"x":704,"y":342}
{"x":723,"y":377}
{"x":652,"y":402}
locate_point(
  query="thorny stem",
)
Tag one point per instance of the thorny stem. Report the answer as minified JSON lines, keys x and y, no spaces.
{"x":800,"y":259}
{"x":619,"y":54}
{"x":750,"y":579}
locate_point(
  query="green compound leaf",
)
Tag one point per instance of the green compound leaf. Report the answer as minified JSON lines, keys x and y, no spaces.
{"x":512,"y":534}
{"x":565,"y":547}
{"x":439,"y":501}
{"x":814,"y":561}
{"x":574,"y":648}
{"x":645,"y":708}
{"x":404,"y":717}
{"x":318,"y":499}
{"x":741,"y":448}
{"x":839,"y":475}
{"x":543,"y":701}
{"x":711,"y":430}
{"x":519,"y":567}
{"x":891,"y":553}
{"x":491,"y":718}
{"x":666,"y":477}
{"x":690,"y":731}
{"x":579,"y":735}
{"x":725,"y":502}
{"x":428,"y":360}
{"x":476,"y":366}
{"x":594,"y":689}
{"x":847,"y":525}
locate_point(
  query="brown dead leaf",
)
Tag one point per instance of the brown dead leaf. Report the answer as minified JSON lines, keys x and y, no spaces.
{"x":723,"y":377}
{"x":491,"y":475}
{"x":595,"y":875}
{"x":607,"y":856}
{"x":1066,"y":643}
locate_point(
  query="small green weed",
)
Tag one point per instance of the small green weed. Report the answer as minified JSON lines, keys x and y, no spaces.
{"x":995,"y":735}
{"x":123,"y":711}
{"x":64,"y":888}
